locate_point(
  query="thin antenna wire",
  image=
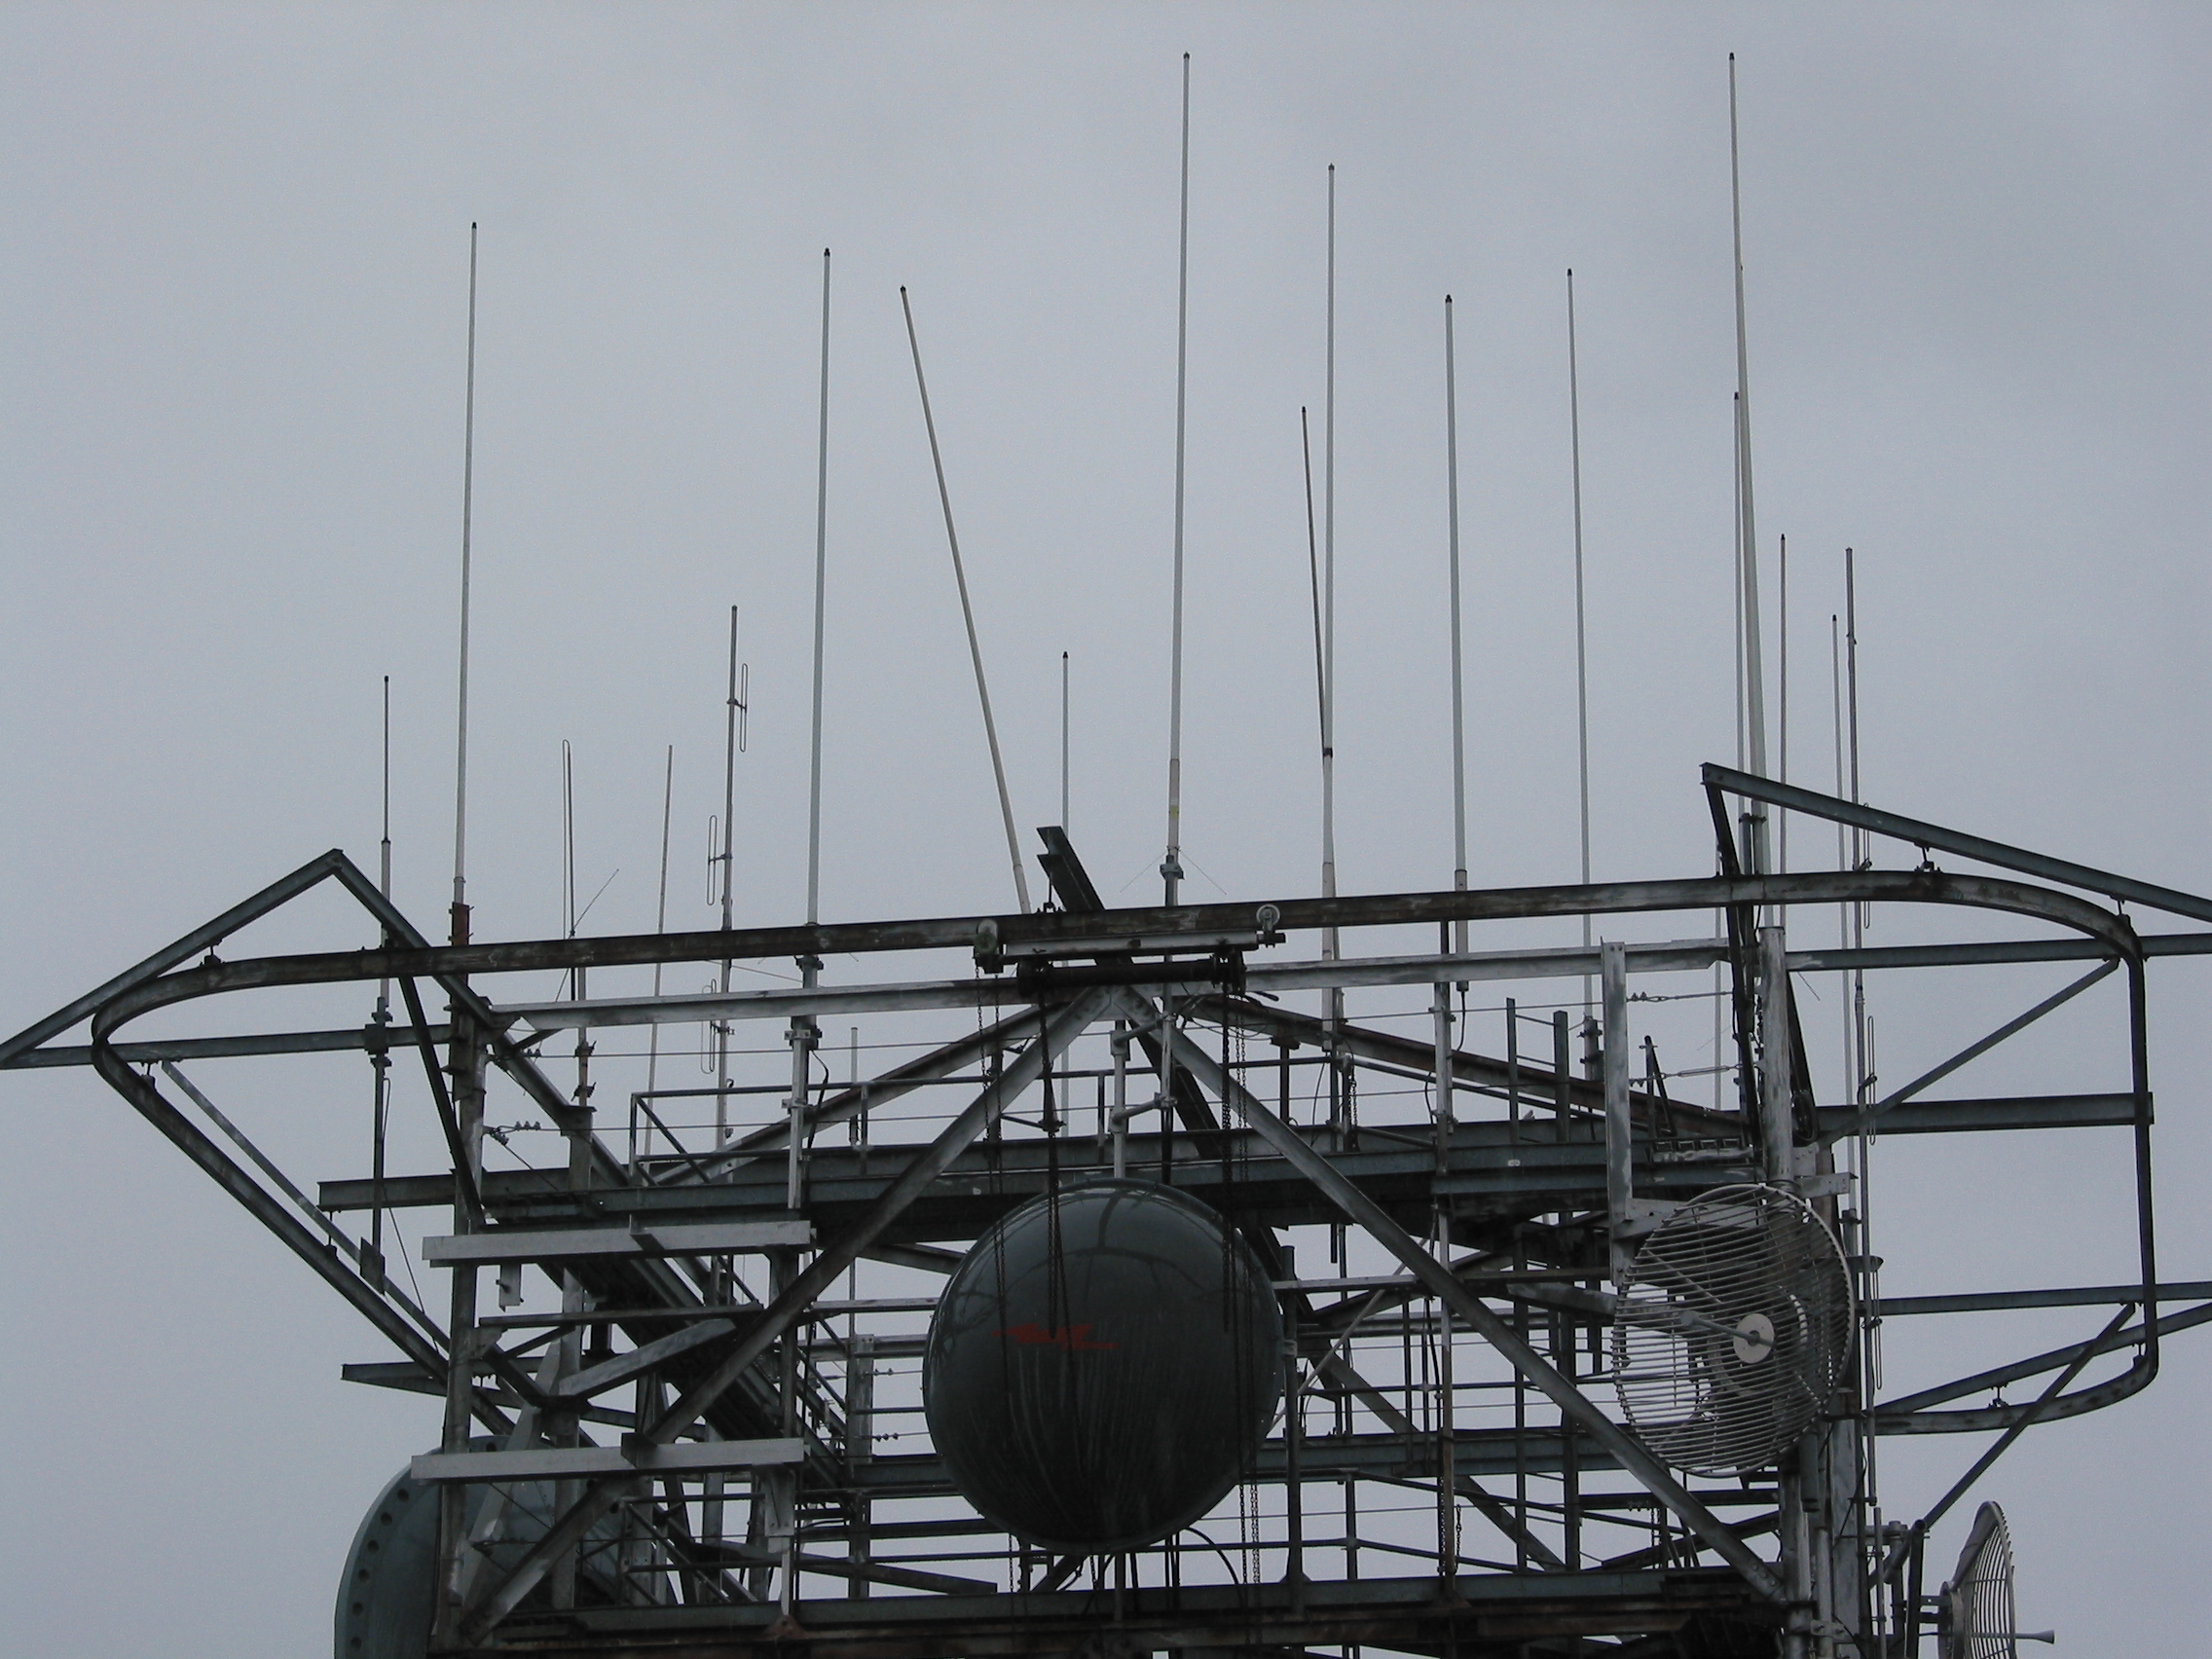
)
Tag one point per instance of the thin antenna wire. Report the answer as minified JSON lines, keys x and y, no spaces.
{"x":1063,"y":743}
{"x":821,"y":579}
{"x":1581,"y":632}
{"x":467,"y":513}
{"x":1172,"y":867}
{"x":968,"y":612}
{"x":1459,"y":703}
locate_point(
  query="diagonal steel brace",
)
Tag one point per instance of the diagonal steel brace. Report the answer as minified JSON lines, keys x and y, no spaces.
{"x":1062,"y":1028}
{"x":1441,"y":1283}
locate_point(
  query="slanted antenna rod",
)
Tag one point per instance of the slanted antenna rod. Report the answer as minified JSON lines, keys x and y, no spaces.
{"x":1171,"y":865}
{"x":967,"y":612}
{"x":467,"y":506}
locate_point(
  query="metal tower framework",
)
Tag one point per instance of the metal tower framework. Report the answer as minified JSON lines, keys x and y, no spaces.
{"x":703,"y":1436}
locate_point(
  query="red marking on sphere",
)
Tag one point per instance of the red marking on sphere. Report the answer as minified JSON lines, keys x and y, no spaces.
{"x":1074,"y":1339}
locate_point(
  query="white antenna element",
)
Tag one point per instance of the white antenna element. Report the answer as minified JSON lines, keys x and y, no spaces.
{"x":467,"y":505}
{"x":1748,"y":568}
{"x":968,"y":612}
{"x":821,"y":580}
{"x":1458,"y":703}
{"x":1171,"y":865}
{"x":1063,"y":742}
{"x":1582,"y":638}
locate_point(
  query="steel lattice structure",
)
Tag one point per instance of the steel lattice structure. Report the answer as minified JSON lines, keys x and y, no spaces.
{"x":704,"y":1439}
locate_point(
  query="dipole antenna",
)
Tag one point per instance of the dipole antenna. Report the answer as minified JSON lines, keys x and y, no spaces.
{"x":1171,"y":865}
{"x":1581,"y":634}
{"x":821,"y":584}
{"x":967,"y":612}
{"x":1459,"y":703}
{"x":467,"y":506}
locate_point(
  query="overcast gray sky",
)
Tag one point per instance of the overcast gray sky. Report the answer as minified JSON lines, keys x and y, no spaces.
{"x":233,"y":253}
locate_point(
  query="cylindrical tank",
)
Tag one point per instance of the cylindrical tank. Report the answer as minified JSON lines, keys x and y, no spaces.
{"x":1101,"y":1367}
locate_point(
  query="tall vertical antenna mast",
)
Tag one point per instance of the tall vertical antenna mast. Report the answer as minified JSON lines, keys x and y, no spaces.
{"x":968,"y":612}
{"x":820,"y":582}
{"x":1172,"y":867}
{"x":1329,"y":595}
{"x":467,"y":505}
{"x":1063,"y":742}
{"x":1581,"y":634}
{"x":1748,"y":542}
{"x":1459,"y":703}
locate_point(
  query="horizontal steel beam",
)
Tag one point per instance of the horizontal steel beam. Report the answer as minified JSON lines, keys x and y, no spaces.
{"x":2084,"y":1296}
{"x":1999,"y":1112}
{"x":582,"y":1243}
{"x":1934,"y":836}
{"x":1385,"y":909}
{"x":583,"y":1462}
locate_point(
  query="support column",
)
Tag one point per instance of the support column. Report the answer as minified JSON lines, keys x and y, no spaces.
{"x":466,"y":1066}
{"x":1612,"y":967}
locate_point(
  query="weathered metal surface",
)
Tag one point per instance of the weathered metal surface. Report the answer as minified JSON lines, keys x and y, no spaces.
{"x":1101,"y":1368}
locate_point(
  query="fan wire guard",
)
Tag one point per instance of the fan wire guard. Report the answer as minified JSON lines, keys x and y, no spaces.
{"x":1733,"y":1330}
{"x":1980,"y":1597}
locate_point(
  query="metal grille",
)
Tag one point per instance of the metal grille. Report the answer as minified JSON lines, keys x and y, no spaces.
{"x":1733,"y":1328}
{"x":1979,"y":1601}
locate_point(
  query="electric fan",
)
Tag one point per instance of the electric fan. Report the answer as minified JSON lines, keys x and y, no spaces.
{"x":1732,"y":1329}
